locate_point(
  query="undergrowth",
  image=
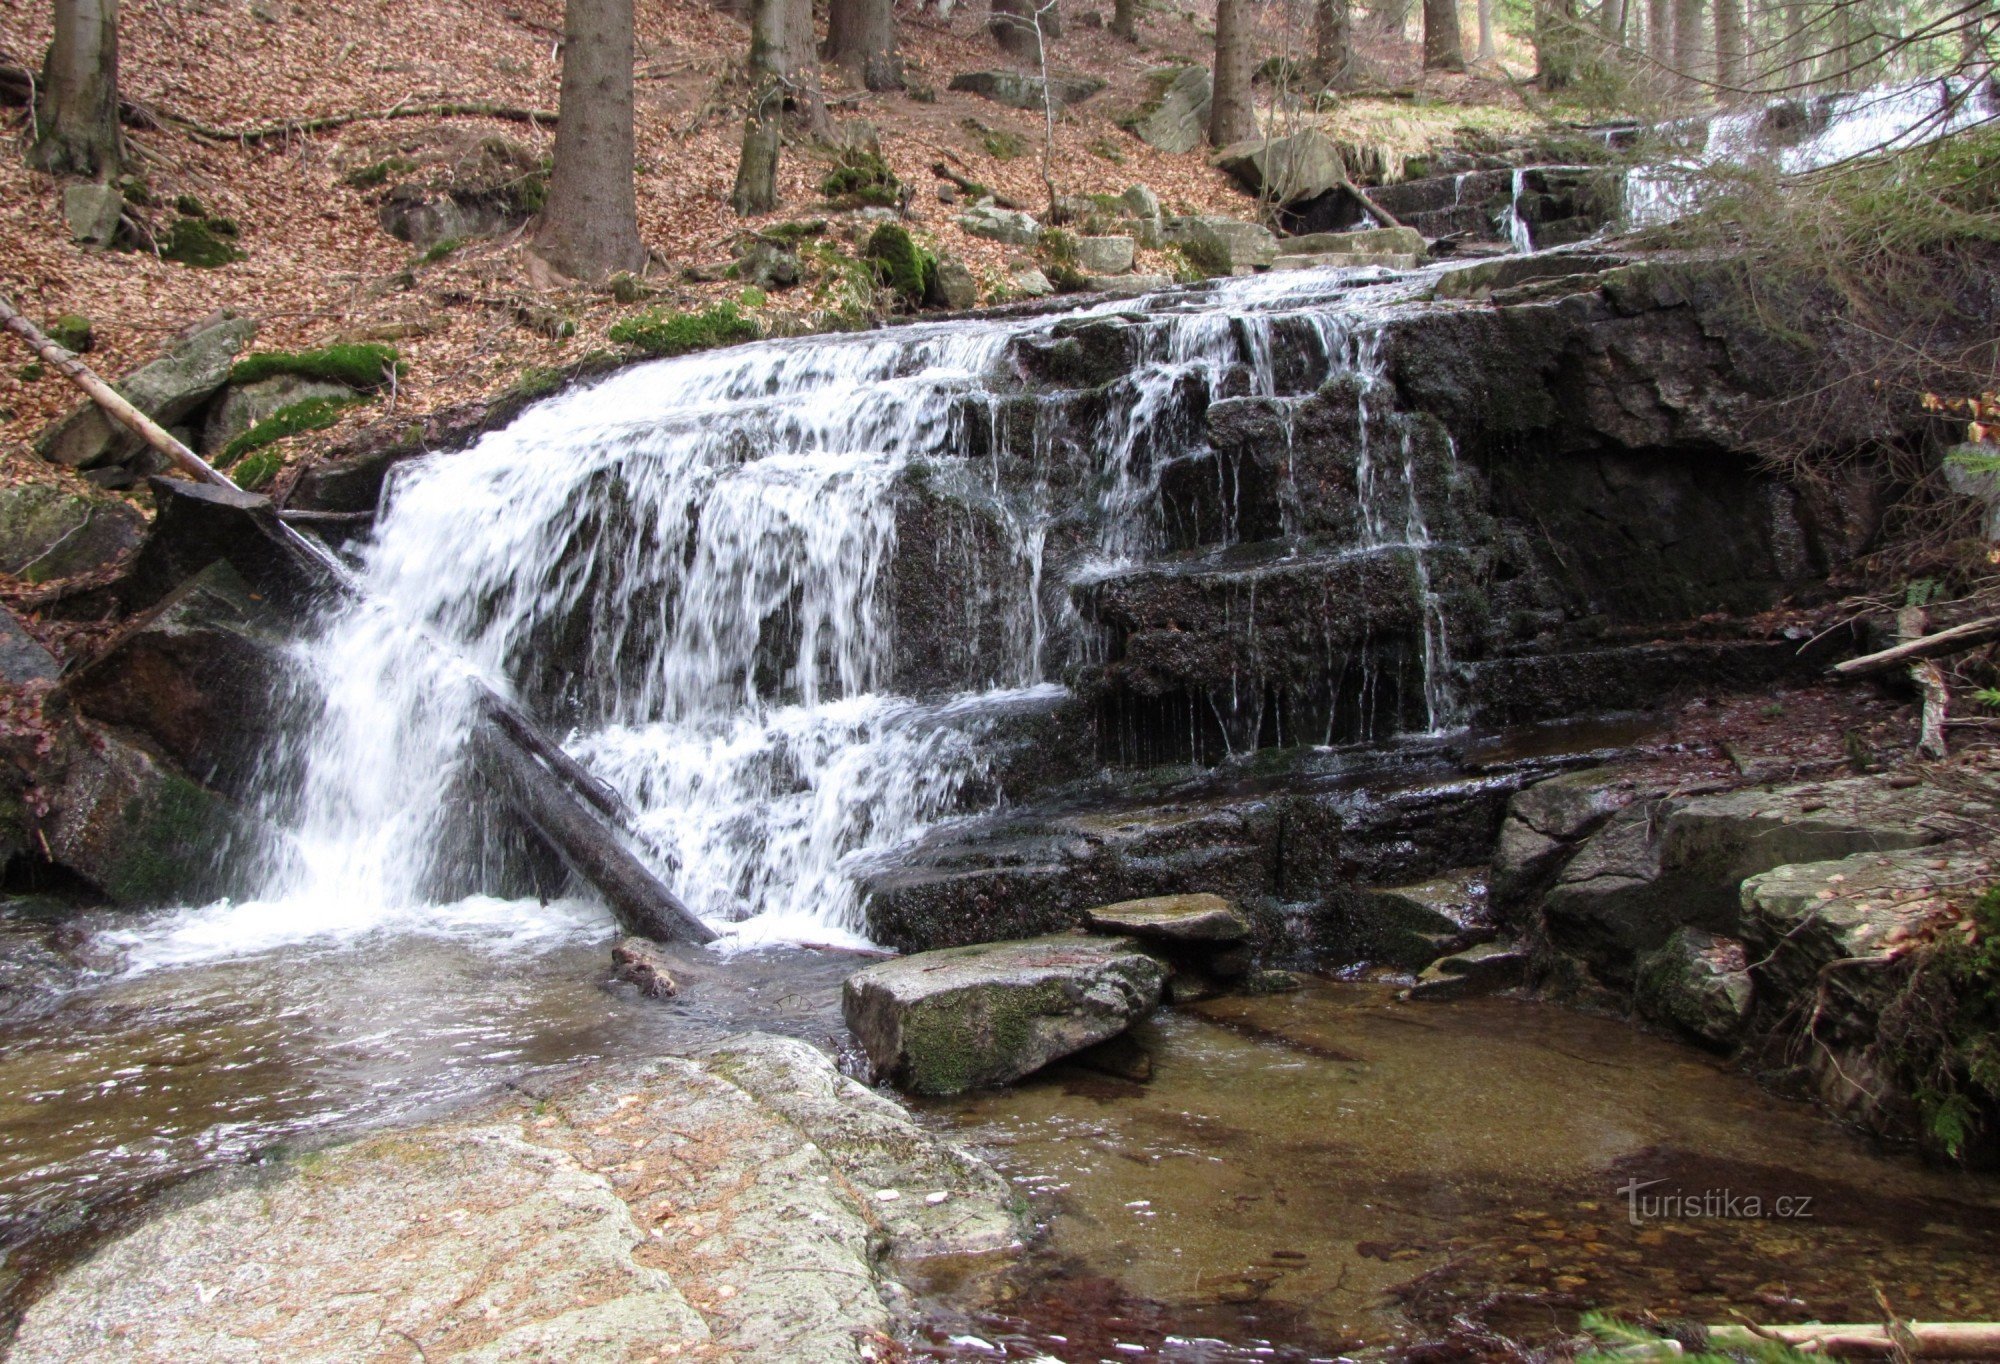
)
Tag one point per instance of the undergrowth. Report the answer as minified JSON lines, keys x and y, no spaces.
{"x":1942,"y":1030}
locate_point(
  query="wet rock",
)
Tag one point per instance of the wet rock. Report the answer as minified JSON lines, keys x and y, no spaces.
{"x":204,"y":674}
{"x":1545,"y":821}
{"x":1120,"y":1057}
{"x":136,"y":828}
{"x":1223,"y":246}
{"x":955,"y":285}
{"x":964,"y":1017}
{"x":1661,"y":865}
{"x":1174,"y":117}
{"x":1407,"y":927}
{"x":1007,"y":225}
{"x":1127,"y":286}
{"x":23,"y":659}
{"x":239,"y":409}
{"x":1284,"y":170}
{"x":1483,"y":970}
{"x":640,"y":961}
{"x":1175,"y":920}
{"x":1698,"y":984}
{"x":46,"y":533}
{"x":92,"y":212}
{"x":194,"y":525}
{"x":33,"y":972}
{"x":1105,"y":255}
{"x":1398,"y":248}
{"x":728,"y":1203}
{"x":166,"y":390}
{"x":1020,"y":90}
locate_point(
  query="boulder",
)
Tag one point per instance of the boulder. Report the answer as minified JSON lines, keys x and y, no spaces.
{"x":47,"y":533}
{"x":1371,"y":241}
{"x":241,"y":408}
{"x":1665,"y":864}
{"x":1969,"y":472}
{"x":1407,"y":927}
{"x":1285,"y":170}
{"x":166,"y":390}
{"x":1175,"y":116}
{"x":734,"y":1204}
{"x":22,"y":657}
{"x":91,"y":212}
{"x":1698,"y":984}
{"x":954,"y":284}
{"x":135,"y":827}
{"x":1021,"y":90}
{"x":1139,"y":201}
{"x":767,"y":265}
{"x":204,"y":675}
{"x":1483,"y":970}
{"x":1224,"y":246}
{"x":1029,"y":282}
{"x":1001,"y":225}
{"x":1127,"y":286}
{"x":1105,"y":255}
{"x":196,"y":524}
{"x":1545,"y":821}
{"x":642,"y":962}
{"x":1175,"y":920}
{"x":964,"y":1017}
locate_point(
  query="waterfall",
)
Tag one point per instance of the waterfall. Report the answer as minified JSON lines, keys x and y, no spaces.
{"x":697,"y":572}
{"x":1516,"y":227}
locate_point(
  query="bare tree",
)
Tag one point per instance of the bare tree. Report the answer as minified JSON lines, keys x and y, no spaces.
{"x":590,"y":226}
{"x":756,"y":189}
{"x":76,"y":116}
{"x":1232,"y":114}
{"x":1687,"y":38}
{"x":1443,"y":48}
{"x":861,"y":38}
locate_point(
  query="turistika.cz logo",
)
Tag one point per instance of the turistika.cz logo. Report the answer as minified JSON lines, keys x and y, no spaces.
{"x":1708,"y":1205}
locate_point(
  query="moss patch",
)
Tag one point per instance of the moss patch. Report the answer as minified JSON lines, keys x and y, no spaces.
{"x":72,"y":331}
{"x":663,"y":332}
{"x":904,"y":267}
{"x":314,"y":414}
{"x":863,"y":179}
{"x":204,"y":243}
{"x":360,"y":365}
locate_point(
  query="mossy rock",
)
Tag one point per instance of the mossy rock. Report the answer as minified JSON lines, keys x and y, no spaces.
{"x":863,"y":178}
{"x":362,"y":365}
{"x":906,"y":268}
{"x":662,"y":332}
{"x":204,"y":243}
{"x":313,"y":414}
{"x":73,"y":332}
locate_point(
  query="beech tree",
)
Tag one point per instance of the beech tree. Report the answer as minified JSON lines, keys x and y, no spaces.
{"x":782,"y":76}
{"x":1687,"y":38}
{"x":1444,"y":50}
{"x":590,"y":225}
{"x":861,"y":39}
{"x":76,"y":114}
{"x":1231,"y":114}
{"x":1487,"y":52}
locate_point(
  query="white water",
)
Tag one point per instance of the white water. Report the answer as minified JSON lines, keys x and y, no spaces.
{"x":1841,"y":127}
{"x":686,"y":566}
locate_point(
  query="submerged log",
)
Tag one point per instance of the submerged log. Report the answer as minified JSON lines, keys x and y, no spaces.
{"x":546,"y":786}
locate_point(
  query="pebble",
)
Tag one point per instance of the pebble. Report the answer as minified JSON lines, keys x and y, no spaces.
{"x":936,"y":1198}
{"x":887,"y":1195}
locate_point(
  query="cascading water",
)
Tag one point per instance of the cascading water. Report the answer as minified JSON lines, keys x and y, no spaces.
{"x":1519,"y":236}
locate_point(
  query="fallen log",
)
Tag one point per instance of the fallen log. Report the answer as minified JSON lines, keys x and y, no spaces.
{"x":1918,"y":1339}
{"x":971,"y":186}
{"x":1957,"y":639}
{"x":549,"y":788}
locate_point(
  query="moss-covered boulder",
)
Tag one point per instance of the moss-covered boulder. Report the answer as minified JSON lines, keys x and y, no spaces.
{"x":167,"y":390}
{"x":46,"y":533}
{"x":1697,"y":984}
{"x":965,"y":1017}
{"x":245,"y":405}
{"x":1174,"y":115}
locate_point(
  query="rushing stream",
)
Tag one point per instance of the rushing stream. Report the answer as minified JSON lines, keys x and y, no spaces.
{"x":687,"y":569}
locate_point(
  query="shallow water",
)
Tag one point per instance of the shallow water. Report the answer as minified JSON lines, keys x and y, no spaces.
{"x":1314,"y":1173}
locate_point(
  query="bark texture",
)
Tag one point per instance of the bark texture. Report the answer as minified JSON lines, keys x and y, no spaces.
{"x":76,"y":118}
{"x":1729,"y":53}
{"x":1231,"y":115}
{"x":1125,"y":19}
{"x":1333,"y":41}
{"x":590,"y":226}
{"x":1444,"y":50}
{"x":1013,"y":26}
{"x":1555,"y":43}
{"x":1688,"y":39}
{"x":861,"y":40}
{"x":1487,"y":52}
{"x":1660,"y":31}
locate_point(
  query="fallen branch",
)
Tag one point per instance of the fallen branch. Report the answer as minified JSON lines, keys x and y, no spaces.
{"x":944,"y":172}
{"x":545,"y":785}
{"x":1387,"y":218}
{"x":1957,"y":639}
{"x":1921,"y":1339}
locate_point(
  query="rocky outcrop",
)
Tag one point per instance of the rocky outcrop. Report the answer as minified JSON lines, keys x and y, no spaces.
{"x":1284,"y":170}
{"x":730,"y":1205}
{"x":964,"y":1017}
{"x":1223,"y":246}
{"x":167,"y":390}
{"x":1698,"y":984}
{"x":1020,"y":90}
{"x":1174,"y":117}
{"x":1172,"y":920}
{"x":1482,"y":970}
{"x":1004,"y":225}
{"x":242,"y":407}
{"x":46,"y":533}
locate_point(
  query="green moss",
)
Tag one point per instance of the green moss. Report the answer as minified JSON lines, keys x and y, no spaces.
{"x":753,"y":297}
{"x":997,"y":143}
{"x":200,"y":242}
{"x":1059,"y":261}
{"x":439,"y":250}
{"x":626,"y":287}
{"x":360,"y":365}
{"x":71,"y":331}
{"x":189,"y":206}
{"x":314,"y":414}
{"x":30,"y":372}
{"x":1942,"y":1030}
{"x":536,"y":381}
{"x":371,"y":176}
{"x":662,"y":332}
{"x":863,"y":178}
{"x":904,"y":267}
{"x":1108,"y":150}
{"x":258,"y":470}
{"x":794,"y":233}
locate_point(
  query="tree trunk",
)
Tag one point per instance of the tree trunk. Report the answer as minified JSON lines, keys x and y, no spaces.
{"x":1333,"y":48}
{"x":1231,"y":114}
{"x":1487,"y":52}
{"x":861,"y":39}
{"x":76,"y":118}
{"x":1611,"y":20}
{"x":1555,"y":43}
{"x":1012,"y":25}
{"x":757,"y":169}
{"x":782,"y":55}
{"x":590,"y":227}
{"x":1390,"y":18}
{"x":1125,"y":19}
{"x":1443,"y":49}
{"x":1660,"y":31}
{"x":1797,"y":53}
{"x":1687,"y":40}
{"x":1729,"y":54}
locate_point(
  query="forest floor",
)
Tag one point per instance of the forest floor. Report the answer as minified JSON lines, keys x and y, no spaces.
{"x":319,"y":267}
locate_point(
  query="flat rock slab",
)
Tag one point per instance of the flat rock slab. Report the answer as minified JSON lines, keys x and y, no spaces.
{"x":964,"y":1017}
{"x":1483,"y":970}
{"x":1174,"y":919}
{"x":723,"y":1206}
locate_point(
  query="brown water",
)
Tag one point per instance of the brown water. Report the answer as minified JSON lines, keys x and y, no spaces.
{"x":1311,"y":1174}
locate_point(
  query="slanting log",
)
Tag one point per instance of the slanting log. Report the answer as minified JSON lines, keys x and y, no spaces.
{"x":1955,"y":640}
{"x":643,"y":905}
{"x":1919,"y":1339}
{"x":549,"y":788}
